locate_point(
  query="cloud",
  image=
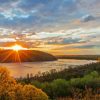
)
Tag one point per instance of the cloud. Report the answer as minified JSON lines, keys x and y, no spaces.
{"x":35,"y":13}
{"x":7,"y":40}
{"x":45,"y":14}
{"x":74,"y":38}
{"x":87,"y":18}
{"x":53,"y":24}
{"x":78,"y":39}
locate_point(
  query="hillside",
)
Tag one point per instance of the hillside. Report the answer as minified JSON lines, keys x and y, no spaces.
{"x":80,"y":57}
{"x":7,"y":56}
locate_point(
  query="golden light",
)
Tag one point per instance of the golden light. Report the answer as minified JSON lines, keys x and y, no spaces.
{"x":17,"y":47}
{"x":15,"y":53}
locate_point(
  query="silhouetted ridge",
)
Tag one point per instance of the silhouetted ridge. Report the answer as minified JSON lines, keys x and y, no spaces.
{"x":24,"y":56}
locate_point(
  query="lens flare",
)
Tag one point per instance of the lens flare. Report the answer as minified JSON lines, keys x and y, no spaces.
{"x":17,"y":47}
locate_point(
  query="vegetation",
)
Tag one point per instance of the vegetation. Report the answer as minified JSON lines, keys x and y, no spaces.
{"x":80,"y":57}
{"x":24,"y":56}
{"x":78,"y":83}
{"x":11,"y":90}
{"x":62,"y":88}
{"x":67,"y":74}
{"x":85,"y":95}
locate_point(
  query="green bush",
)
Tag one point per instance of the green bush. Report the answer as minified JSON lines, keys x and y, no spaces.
{"x":63,"y":88}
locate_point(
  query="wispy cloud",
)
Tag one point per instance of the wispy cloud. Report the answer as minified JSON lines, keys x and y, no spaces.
{"x":44,"y":13}
{"x":51,"y":24}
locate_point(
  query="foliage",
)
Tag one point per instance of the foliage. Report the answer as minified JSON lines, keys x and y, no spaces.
{"x":25,"y":56}
{"x":87,"y":94}
{"x":67,"y":74}
{"x":80,"y":57}
{"x":11,"y":90}
{"x":63,"y":83}
{"x":63,"y":88}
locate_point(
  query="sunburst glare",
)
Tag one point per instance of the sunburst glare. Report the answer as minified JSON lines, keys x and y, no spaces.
{"x":17,"y":47}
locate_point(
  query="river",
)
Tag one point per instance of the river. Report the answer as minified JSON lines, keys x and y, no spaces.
{"x":22,"y":69}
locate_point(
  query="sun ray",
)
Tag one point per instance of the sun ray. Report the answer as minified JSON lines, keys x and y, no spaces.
{"x":17,"y":57}
{"x":7,"y":56}
{"x":25,"y":54}
{"x":16,"y":53}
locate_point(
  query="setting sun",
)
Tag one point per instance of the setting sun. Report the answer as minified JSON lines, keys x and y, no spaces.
{"x":17,"y":47}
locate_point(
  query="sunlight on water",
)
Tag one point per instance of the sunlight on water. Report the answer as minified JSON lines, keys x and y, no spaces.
{"x":21,"y":69}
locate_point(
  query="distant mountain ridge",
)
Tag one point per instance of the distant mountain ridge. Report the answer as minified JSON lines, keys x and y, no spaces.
{"x":11,"y":56}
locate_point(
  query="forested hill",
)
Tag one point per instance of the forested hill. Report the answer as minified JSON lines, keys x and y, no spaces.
{"x":24,"y":56}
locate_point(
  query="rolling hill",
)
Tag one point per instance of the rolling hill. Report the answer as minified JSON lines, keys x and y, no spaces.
{"x":10,"y":56}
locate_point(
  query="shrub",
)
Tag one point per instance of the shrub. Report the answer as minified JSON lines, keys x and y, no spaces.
{"x":11,"y":90}
{"x":63,"y":88}
{"x":60,"y":87}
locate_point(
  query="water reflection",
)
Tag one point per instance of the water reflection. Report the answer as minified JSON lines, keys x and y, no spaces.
{"x":21,"y":69}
